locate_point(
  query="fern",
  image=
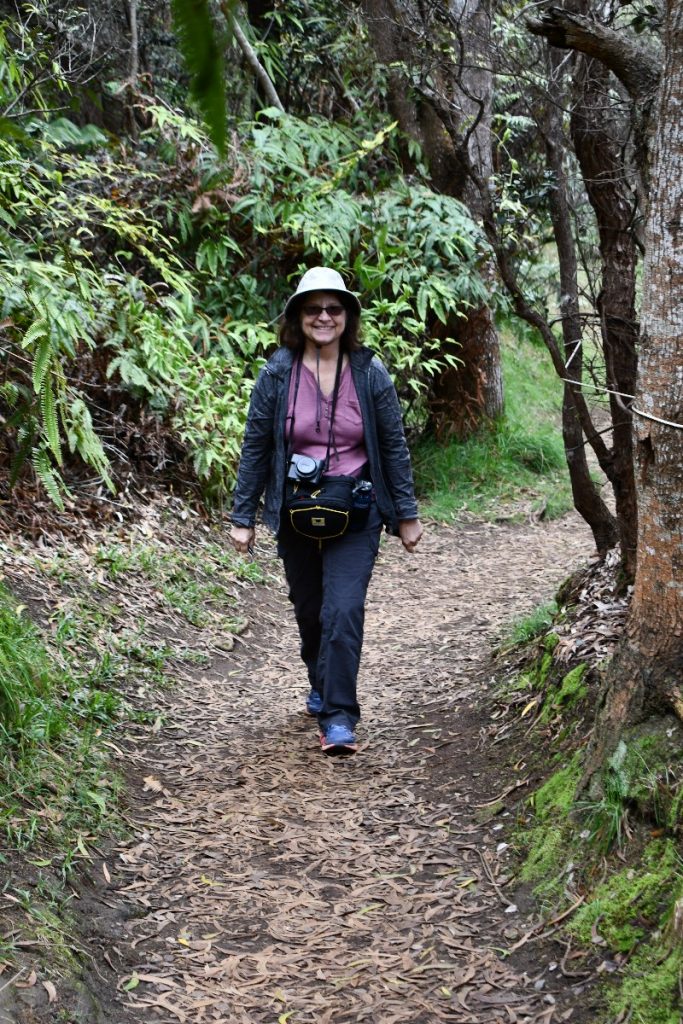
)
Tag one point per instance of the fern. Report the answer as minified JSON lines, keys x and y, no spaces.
{"x":53,"y":484}
{"x":41,"y":362}
{"x":38,"y":329}
{"x":83,"y":440}
{"x":199,"y":43}
{"x":50,"y":426}
{"x":27,"y":436}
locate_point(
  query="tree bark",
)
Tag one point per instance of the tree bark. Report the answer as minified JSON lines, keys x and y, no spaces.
{"x":587,"y":499}
{"x":600,"y":136}
{"x":633,"y":65}
{"x":646,"y":673}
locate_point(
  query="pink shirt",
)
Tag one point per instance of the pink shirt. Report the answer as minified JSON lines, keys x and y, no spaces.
{"x":312,"y":423}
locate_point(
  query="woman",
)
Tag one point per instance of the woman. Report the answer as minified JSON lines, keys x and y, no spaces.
{"x":324,"y":396}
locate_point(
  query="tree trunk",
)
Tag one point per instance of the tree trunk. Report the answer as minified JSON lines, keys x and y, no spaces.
{"x":587,"y":499}
{"x":646,"y":674}
{"x":464,"y":397}
{"x":600,"y":137}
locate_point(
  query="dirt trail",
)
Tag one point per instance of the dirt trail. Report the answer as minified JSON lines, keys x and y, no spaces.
{"x":269,"y":884}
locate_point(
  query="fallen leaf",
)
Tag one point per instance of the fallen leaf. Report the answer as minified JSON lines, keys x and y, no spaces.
{"x":51,"y":991}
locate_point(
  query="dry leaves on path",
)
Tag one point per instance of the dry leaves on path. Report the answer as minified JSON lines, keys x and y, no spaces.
{"x":268,"y":884}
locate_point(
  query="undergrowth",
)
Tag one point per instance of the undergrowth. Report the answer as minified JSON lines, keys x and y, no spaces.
{"x":518,"y":460}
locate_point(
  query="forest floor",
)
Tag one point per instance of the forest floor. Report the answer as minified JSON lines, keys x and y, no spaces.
{"x":263,"y":882}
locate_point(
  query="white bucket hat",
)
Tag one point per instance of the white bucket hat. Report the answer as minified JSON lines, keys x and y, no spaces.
{"x":322,"y":279}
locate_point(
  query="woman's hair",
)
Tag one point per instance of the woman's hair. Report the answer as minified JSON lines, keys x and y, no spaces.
{"x":291,"y":335}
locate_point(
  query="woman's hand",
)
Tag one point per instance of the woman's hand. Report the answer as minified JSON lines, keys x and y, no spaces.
{"x":410,"y":531}
{"x":242,"y":538}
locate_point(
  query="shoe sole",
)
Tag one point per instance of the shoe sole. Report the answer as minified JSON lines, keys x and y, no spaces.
{"x":337,"y":749}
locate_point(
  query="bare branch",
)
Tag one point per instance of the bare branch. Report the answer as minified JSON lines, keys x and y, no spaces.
{"x":633,"y":64}
{"x":251,"y":56}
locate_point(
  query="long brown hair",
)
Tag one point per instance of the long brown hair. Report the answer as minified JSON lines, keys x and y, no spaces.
{"x":291,"y":335}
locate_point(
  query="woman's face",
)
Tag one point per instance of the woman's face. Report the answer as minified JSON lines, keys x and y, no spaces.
{"x":323,"y":319}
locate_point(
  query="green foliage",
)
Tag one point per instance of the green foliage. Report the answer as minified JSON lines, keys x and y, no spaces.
{"x":533,"y":625}
{"x":202,"y":49}
{"x":26,"y":684}
{"x":519,"y":459}
{"x":48,"y":718}
{"x":161,"y":272}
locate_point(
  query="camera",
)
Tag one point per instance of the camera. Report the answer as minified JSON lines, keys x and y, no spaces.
{"x":306,"y":469}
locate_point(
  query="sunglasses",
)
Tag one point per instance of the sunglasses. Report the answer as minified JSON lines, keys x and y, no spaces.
{"x":334,"y":310}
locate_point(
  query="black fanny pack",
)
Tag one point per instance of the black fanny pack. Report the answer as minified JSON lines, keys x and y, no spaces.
{"x":321,"y":511}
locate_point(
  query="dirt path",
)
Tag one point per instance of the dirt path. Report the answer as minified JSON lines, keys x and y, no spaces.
{"x":269,"y":884}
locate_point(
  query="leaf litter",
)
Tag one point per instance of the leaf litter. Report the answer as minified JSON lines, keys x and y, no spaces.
{"x":267,"y":883}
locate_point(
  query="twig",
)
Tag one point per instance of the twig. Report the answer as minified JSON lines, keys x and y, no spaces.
{"x":534,"y":934}
{"x":506,"y":792}
{"x":12,"y":979}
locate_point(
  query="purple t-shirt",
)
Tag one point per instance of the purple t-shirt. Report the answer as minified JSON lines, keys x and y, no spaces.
{"x":312,"y":423}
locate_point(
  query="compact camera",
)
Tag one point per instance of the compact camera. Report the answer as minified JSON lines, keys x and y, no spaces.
{"x":306,"y":469}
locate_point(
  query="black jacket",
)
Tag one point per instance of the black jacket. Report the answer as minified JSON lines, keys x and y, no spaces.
{"x":263,"y":459}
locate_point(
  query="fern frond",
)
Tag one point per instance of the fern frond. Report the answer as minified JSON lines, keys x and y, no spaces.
{"x":48,"y":407}
{"x":40,"y":363}
{"x":51,"y":482}
{"x":199,"y":43}
{"x":38,"y":329}
{"x":27,"y":436}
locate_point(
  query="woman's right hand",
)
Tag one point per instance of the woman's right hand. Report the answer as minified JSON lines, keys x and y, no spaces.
{"x":242,"y":538}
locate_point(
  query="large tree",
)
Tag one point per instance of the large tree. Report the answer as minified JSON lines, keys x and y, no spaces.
{"x":646,"y":674}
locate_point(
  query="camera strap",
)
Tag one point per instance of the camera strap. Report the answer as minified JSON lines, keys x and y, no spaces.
{"x":335,"y":395}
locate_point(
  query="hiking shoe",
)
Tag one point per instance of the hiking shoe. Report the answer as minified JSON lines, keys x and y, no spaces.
{"x":338,"y":739}
{"x":314,"y":703}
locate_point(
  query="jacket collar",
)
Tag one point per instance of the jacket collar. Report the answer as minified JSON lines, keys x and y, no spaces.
{"x":280,"y":363}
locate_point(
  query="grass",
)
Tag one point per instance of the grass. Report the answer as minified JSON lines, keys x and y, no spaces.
{"x":535,"y":624}
{"x":517,"y":461}
{"x":53,"y":789}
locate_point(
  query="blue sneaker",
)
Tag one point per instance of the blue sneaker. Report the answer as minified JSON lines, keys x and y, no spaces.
{"x":314,"y":703}
{"x":338,"y":739}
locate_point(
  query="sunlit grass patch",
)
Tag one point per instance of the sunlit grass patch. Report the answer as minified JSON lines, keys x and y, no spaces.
{"x":516,"y":461}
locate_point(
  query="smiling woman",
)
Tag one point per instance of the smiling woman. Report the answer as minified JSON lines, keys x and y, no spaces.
{"x":324,"y":425}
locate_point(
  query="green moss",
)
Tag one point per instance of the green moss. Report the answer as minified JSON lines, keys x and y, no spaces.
{"x":551,"y":641}
{"x":649,"y":992}
{"x":674,"y":818}
{"x":631,"y":902}
{"x":571,"y":690}
{"x":545,"y":853}
{"x":557,"y":794}
{"x":544,"y":667}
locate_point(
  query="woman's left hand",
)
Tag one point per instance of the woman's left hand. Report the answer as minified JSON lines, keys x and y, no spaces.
{"x":410,"y":531}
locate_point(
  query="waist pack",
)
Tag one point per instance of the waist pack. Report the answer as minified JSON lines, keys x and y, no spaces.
{"x":324,"y":510}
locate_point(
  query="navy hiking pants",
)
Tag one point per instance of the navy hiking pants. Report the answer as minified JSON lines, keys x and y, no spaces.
{"x":328,"y":584}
